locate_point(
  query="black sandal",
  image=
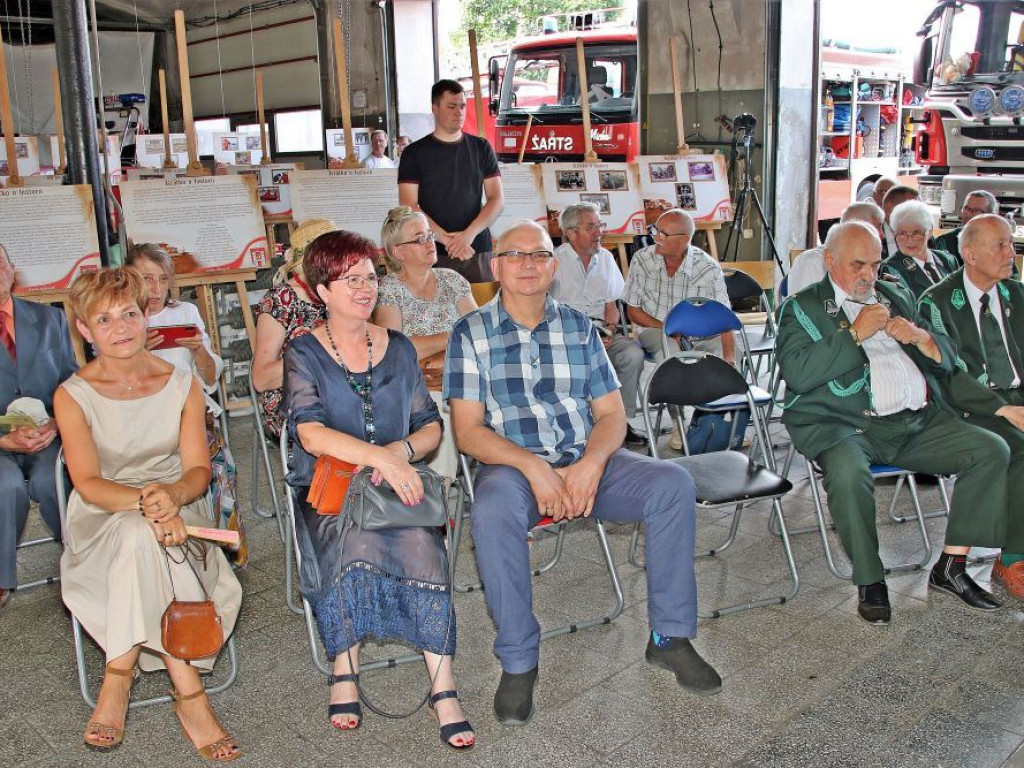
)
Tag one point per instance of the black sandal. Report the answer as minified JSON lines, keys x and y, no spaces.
{"x":346,"y":708}
{"x":450,"y":731}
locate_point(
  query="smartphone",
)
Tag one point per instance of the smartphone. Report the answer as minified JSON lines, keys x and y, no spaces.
{"x":172,"y":333}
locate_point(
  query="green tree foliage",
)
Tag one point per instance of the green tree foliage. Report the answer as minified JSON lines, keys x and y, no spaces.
{"x":496,"y":20}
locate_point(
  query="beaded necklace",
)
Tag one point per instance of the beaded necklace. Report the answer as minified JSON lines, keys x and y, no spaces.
{"x":364,"y":391}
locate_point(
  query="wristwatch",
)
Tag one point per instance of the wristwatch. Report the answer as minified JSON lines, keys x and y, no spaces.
{"x":409,"y":449}
{"x":855,"y":335}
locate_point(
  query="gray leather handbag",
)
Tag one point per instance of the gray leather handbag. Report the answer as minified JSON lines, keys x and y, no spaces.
{"x":376,"y":507}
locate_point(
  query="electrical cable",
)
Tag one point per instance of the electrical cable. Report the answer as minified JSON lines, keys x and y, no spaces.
{"x":714,"y":19}
{"x":142,"y":66}
{"x":266,"y":5}
{"x":220,"y":67}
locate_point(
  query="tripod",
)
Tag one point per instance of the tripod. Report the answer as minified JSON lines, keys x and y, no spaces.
{"x":747,"y":193}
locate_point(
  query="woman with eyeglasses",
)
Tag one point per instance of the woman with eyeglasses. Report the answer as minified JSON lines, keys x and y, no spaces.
{"x":915,"y":266}
{"x":355,"y":392}
{"x":423,"y":302}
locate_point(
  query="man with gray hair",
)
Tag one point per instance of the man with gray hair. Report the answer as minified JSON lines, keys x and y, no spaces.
{"x":589,"y":281}
{"x":809,"y":266}
{"x":536,"y":402}
{"x":377,"y":158}
{"x":977,"y":203}
{"x":859,"y":365}
{"x":663,"y":274}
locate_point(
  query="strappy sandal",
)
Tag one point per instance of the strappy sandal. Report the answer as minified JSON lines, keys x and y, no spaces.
{"x":450,"y":731}
{"x":353,"y":708}
{"x":209,"y":752}
{"x":96,"y":728}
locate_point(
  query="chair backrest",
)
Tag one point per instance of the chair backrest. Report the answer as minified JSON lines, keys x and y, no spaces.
{"x":741,"y":287}
{"x":693,"y":378}
{"x":484,"y":292}
{"x":700,"y":317}
{"x":62,"y":496}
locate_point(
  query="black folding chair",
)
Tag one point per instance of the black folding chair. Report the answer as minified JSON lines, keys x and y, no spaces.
{"x":723,"y":478}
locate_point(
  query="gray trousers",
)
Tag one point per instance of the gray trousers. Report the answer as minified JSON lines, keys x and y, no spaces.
{"x":627,"y":358}
{"x":652,"y":339}
{"x":24,"y":477}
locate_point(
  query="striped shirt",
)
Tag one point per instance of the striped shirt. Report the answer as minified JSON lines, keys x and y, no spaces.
{"x":649,"y":287}
{"x":897,"y":384}
{"x":536,"y":385}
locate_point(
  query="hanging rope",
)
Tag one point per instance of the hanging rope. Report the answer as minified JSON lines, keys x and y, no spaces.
{"x":138,"y":39}
{"x":27,"y":58}
{"x":252,"y":60}
{"x":220,"y":69}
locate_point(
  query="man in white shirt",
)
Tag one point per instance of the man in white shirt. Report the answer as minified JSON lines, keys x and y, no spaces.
{"x":859,"y":365}
{"x":982,"y":309}
{"x":663,"y":274}
{"x":377,"y":158}
{"x":809,"y":266}
{"x":589,"y":281}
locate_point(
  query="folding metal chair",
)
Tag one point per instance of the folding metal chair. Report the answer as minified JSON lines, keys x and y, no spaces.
{"x":259,"y":446}
{"x":546,"y":525}
{"x":320,"y":660}
{"x":904,"y":478}
{"x":35,"y":543}
{"x":723,"y":478}
{"x":76,"y":627}
{"x":760,"y":342}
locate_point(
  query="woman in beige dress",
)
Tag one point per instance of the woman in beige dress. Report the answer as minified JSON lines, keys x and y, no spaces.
{"x":134,"y":437}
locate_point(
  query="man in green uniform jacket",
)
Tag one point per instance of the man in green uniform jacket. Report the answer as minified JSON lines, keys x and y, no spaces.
{"x":982,"y":311}
{"x":975,"y":204}
{"x":859,"y":367}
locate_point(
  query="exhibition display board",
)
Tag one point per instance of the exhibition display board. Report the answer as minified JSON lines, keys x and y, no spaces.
{"x":358,"y":199}
{"x":50,"y":234}
{"x":215,"y":219}
{"x":699,"y":184}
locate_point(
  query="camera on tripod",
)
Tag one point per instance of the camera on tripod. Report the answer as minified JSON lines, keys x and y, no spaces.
{"x":745,"y":123}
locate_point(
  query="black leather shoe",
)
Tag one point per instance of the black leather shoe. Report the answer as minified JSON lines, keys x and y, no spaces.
{"x":513,"y":701}
{"x":691,"y":671}
{"x":961,"y":585}
{"x":874,"y":605}
{"x":633,"y":437}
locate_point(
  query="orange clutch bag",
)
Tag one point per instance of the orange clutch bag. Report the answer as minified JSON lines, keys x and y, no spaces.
{"x":331,"y":478}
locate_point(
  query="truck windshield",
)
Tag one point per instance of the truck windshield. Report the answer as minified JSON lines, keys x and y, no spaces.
{"x":546,"y":81}
{"x":986,"y":37}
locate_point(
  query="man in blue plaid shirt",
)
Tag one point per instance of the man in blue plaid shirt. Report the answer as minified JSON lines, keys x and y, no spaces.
{"x":534,"y":399}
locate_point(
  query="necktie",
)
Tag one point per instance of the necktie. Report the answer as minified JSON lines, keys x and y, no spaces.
{"x":997,"y":361}
{"x":6,"y":338}
{"x":932,"y":271}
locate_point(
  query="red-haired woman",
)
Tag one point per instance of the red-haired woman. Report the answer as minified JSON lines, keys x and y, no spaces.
{"x":355,"y":392}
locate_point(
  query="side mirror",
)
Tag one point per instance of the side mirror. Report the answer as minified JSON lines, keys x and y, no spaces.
{"x":492,"y":76}
{"x":923,"y":62}
{"x":492,"y":106}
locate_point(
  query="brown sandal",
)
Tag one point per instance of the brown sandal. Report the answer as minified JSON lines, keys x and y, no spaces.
{"x":209,"y":752}
{"x":114,"y":733}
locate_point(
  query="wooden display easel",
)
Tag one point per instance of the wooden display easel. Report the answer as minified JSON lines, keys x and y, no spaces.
{"x":621,"y":241}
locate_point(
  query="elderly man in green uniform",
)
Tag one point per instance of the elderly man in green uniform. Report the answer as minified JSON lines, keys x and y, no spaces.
{"x":860,"y":367}
{"x":982,"y":311}
{"x":977,"y":203}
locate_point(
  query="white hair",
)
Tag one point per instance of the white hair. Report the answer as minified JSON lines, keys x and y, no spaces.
{"x":836,"y":236}
{"x":912,"y":212}
{"x":864,"y":211}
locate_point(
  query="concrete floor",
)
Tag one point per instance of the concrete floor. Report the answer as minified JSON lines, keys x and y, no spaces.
{"x":805,"y":683}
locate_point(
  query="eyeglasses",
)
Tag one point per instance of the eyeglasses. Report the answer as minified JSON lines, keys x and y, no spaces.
{"x":419,"y":240}
{"x":974,"y":211}
{"x":659,"y":231}
{"x":917,"y":234}
{"x":355,"y":282}
{"x":518,"y":257}
{"x":592,"y":227}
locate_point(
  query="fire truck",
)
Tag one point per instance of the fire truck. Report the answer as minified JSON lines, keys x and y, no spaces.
{"x":972,"y":62}
{"x":540,"y":77}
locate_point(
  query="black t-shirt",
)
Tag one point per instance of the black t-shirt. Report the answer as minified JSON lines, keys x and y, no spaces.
{"x":451,"y":178}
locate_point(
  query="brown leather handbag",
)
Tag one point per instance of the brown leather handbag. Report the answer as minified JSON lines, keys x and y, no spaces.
{"x":331,"y":478}
{"x":191,"y":629}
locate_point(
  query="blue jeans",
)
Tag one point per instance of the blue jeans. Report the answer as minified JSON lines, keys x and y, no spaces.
{"x":633,"y":489}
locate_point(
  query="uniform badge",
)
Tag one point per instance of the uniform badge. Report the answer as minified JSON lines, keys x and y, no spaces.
{"x":958,"y":299}
{"x":909,"y":264}
{"x":843,"y":325}
{"x":831,"y":308}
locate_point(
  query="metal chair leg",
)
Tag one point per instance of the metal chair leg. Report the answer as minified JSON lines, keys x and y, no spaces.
{"x":46,"y":580}
{"x":944,"y":512}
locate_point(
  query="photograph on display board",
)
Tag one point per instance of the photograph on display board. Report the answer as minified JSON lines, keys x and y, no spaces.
{"x":279,"y":176}
{"x":662,"y":172}
{"x":701,"y":171}
{"x":360,"y":138}
{"x":571,"y":181}
{"x":252,"y":142}
{"x":179,"y":145}
{"x":339,"y":139}
{"x":243,"y":158}
{"x":229,"y":143}
{"x":602,"y":201}
{"x":612,"y":181}
{"x":21,"y":151}
{"x":270,"y":195}
{"x":685,"y":197}
{"x":154,"y":146}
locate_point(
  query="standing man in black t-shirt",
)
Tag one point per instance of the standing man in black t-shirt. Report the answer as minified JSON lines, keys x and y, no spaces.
{"x":445,"y":174}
